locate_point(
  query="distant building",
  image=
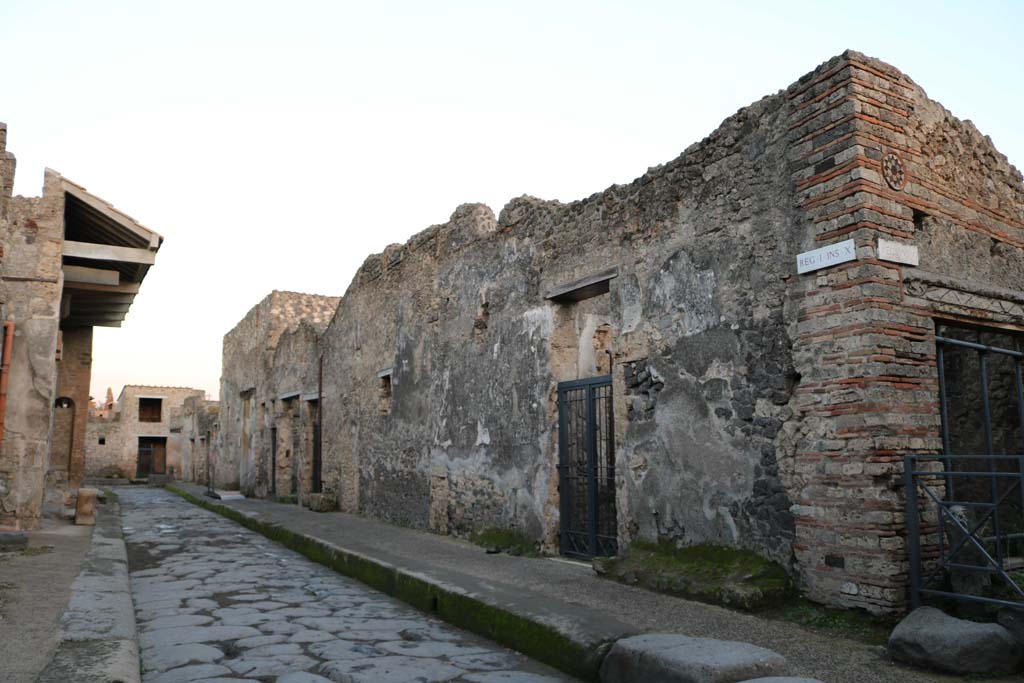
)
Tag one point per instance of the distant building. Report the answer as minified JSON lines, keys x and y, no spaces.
{"x":142,"y":436}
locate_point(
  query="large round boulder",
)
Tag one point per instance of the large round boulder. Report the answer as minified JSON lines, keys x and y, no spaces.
{"x":932,"y":639}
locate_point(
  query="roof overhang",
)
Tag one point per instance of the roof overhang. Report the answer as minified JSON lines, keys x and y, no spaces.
{"x":106,"y":255}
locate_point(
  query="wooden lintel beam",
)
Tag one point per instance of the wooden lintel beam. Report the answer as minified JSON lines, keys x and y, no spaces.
{"x":82,"y":296}
{"x":78,"y":307}
{"x":108,"y":252}
{"x":92,"y":322}
{"x":92,"y":276}
{"x":123,"y":288}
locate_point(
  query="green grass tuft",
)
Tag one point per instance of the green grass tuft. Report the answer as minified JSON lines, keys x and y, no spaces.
{"x":836,"y":621}
{"x":508,"y":541}
{"x":708,"y":573}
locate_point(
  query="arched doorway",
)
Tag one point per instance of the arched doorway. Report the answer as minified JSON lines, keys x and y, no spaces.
{"x":63,"y":434}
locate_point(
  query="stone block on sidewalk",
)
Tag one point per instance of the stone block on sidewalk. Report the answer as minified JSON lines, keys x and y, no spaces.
{"x":323,"y":502}
{"x":13,"y":540}
{"x":932,"y":639}
{"x":1012,"y":619}
{"x":672,"y":658}
{"x":85,"y":508}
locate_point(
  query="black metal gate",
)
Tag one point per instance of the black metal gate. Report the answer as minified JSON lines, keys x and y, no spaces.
{"x":586,"y":453}
{"x":965,"y":508}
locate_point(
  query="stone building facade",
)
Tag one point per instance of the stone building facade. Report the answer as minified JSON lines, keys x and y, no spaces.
{"x":70,"y":262}
{"x":143,"y":435}
{"x":200,"y":438}
{"x":265,"y":395}
{"x":722,"y":379}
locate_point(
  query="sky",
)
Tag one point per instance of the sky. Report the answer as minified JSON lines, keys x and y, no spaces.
{"x":275,"y":145}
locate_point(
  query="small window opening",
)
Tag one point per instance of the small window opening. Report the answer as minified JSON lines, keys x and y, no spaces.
{"x":149,"y":409}
{"x":103,"y":441}
{"x":384,"y":393}
{"x":919,"y":219}
{"x":480,"y":321}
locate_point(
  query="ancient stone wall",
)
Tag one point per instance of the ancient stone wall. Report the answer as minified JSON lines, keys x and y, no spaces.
{"x":200,"y":437}
{"x":117,"y":456}
{"x":247,"y":395}
{"x":294,"y":380}
{"x":752,"y":406}
{"x":32,"y":280}
{"x":703,"y":248}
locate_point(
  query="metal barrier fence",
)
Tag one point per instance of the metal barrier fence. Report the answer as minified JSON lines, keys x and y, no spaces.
{"x":965,"y":527}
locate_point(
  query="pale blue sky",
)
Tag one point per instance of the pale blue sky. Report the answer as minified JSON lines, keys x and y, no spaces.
{"x":276,"y":145}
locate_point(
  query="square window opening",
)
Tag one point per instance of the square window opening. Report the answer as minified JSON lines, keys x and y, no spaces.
{"x":384,"y":394}
{"x":150,"y":409}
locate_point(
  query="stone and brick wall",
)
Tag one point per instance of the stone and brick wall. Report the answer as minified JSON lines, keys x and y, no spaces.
{"x":865,"y":346}
{"x":66,"y":465}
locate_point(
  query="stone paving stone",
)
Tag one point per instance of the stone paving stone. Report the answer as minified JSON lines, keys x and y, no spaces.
{"x":179,"y":620}
{"x":509,"y":677}
{"x":188,"y":674}
{"x":216,"y":603}
{"x":392,"y":669}
{"x":302,"y":677}
{"x":170,"y":657}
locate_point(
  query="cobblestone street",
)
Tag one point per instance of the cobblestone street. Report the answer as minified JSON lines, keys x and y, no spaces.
{"x":216,"y":602}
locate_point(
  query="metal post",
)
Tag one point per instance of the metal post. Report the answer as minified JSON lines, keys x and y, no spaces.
{"x":990,"y":449}
{"x":913,"y":531}
{"x":944,"y":409}
{"x":563,"y":474}
{"x":591,"y":470}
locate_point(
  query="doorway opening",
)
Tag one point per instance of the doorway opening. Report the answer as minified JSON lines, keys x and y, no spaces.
{"x":152,"y":456}
{"x":586,"y":455}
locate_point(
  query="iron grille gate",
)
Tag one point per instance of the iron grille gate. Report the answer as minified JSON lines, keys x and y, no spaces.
{"x":586,"y":454}
{"x":965,"y":512}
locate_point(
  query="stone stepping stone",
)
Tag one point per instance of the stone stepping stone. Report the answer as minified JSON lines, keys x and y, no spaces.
{"x":672,"y":658}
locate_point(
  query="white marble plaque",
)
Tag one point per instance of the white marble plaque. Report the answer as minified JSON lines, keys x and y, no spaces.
{"x":832,"y":255}
{"x":898,"y":252}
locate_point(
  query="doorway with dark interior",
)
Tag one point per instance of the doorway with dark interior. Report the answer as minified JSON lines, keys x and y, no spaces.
{"x":152,"y":456}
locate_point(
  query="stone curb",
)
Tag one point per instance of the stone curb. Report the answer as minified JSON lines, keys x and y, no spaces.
{"x":576,"y":644}
{"x":98,"y":642}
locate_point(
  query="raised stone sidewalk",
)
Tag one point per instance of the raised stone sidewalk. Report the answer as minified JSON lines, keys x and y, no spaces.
{"x":556,"y":611}
{"x":98,"y":641}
